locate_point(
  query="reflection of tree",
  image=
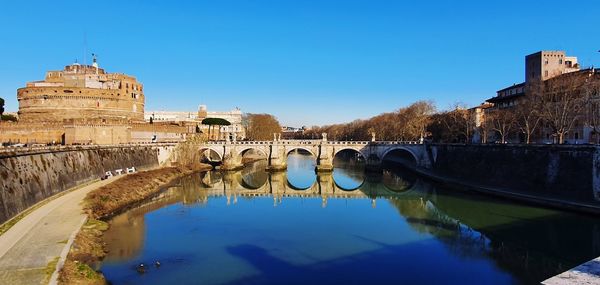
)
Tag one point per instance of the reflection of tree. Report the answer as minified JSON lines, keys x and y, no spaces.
{"x":254,"y":176}
{"x":397,"y":183}
{"x":529,"y":242}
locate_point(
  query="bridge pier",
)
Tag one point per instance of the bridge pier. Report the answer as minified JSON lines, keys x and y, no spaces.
{"x":231,"y":160}
{"x":277,"y":160}
{"x":324,"y":159}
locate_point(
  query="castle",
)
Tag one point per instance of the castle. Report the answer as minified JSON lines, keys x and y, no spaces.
{"x":83,"y":104}
{"x":82,"y":92}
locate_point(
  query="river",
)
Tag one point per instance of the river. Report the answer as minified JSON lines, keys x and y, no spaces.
{"x":296,"y":227}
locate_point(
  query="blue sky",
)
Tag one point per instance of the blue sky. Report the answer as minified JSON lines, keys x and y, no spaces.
{"x":309,"y":62}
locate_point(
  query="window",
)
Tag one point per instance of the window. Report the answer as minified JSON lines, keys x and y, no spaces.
{"x":546,"y":73}
{"x":560,"y":61}
{"x":546,"y":61}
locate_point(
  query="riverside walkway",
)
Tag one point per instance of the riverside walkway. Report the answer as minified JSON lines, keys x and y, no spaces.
{"x":30,"y":249}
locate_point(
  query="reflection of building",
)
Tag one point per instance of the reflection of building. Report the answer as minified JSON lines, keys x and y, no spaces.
{"x":233,"y":131}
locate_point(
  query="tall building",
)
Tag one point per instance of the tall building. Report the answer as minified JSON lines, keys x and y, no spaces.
{"x":539,"y":66}
{"x":82,"y":92}
{"x":545,"y":69}
{"x":544,"y":65}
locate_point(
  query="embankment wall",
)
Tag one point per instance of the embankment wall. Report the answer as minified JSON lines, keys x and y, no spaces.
{"x":567,"y":172}
{"x":27,"y":178}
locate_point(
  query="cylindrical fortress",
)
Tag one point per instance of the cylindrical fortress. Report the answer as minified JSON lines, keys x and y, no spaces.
{"x":82,"y":92}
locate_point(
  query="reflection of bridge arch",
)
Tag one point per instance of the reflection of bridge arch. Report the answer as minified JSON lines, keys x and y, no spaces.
{"x":291,"y":186}
{"x":407,"y":187}
{"x":211,"y":179}
{"x":253,"y":177}
{"x":348,"y":189}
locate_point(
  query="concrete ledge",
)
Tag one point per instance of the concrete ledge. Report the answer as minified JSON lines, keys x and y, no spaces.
{"x":587,"y":273}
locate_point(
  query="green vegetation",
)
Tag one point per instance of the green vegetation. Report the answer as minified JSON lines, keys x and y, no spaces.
{"x":215,"y":122}
{"x":50,"y":268}
{"x":10,"y":118}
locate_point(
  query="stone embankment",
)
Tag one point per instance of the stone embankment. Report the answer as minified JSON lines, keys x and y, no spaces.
{"x":31,"y":175}
{"x":562,"y":176}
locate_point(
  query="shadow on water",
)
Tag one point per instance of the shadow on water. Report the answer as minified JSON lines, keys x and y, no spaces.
{"x":528,"y":243}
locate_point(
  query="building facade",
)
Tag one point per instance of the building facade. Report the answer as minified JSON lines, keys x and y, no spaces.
{"x":82,"y":92}
{"x":235,"y":131}
{"x":82,"y":104}
{"x":545,"y":69}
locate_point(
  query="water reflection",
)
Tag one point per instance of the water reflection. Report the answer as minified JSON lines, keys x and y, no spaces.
{"x":349,"y":170}
{"x":251,"y":227}
{"x":300,"y":167}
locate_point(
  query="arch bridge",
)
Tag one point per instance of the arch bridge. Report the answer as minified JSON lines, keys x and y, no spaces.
{"x":231,"y":152}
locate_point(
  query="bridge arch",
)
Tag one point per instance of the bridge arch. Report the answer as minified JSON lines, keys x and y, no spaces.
{"x":244,"y":150}
{"x":293,"y":148}
{"x":403,"y":155}
{"x":356,"y":149}
{"x":211,"y":151}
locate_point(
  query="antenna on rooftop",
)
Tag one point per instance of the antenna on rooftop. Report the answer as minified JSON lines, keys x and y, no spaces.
{"x":84,"y":51}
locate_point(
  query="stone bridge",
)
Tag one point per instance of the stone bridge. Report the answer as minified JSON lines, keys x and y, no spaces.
{"x":230,"y":153}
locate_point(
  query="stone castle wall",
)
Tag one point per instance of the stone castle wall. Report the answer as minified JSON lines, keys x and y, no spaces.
{"x":30,"y":178}
{"x":28,"y":133}
{"x":42,"y":104}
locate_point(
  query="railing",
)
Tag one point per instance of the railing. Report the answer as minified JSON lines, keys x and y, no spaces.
{"x":16,"y":151}
{"x":312,"y":142}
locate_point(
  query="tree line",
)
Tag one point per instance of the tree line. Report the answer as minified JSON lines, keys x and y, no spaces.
{"x":555,"y":106}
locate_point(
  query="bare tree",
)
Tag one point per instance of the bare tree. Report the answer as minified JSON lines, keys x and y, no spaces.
{"x":503,"y":122}
{"x":485,"y":127}
{"x":528,"y":114}
{"x":461,"y":122}
{"x":592,"y":95}
{"x":562,"y":103}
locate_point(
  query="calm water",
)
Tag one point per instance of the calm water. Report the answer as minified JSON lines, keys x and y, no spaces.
{"x":295,"y":227}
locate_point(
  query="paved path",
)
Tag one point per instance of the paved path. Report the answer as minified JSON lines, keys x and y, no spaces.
{"x":40,"y":237}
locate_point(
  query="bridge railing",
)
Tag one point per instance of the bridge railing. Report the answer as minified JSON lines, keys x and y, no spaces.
{"x":313,"y":142}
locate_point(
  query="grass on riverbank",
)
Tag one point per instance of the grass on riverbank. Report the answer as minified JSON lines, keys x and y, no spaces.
{"x":87,"y":251}
{"x":116,"y":197}
{"x":88,"y":248}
